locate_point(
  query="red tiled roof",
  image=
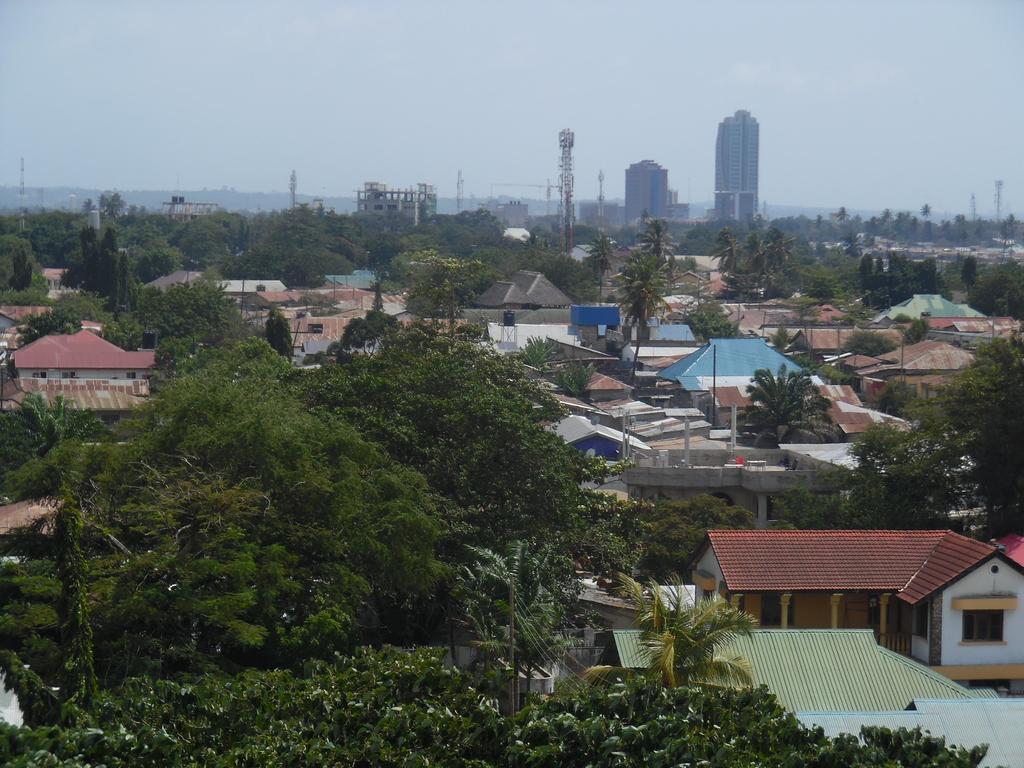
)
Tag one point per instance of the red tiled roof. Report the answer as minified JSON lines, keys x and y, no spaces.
{"x":953,"y":554}
{"x":82,"y":350}
{"x":874,"y":561}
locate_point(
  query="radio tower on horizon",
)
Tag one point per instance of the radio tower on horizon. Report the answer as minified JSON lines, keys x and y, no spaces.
{"x":458,"y":193}
{"x":999,"y":200}
{"x":600,"y":200}
{"x":293,"y":184}
{"x":566,"y":210}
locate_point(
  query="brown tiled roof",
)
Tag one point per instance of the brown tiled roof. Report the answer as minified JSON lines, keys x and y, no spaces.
{"x":826,"y":561}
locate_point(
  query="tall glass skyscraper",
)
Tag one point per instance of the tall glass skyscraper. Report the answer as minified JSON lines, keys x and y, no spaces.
{"x":736,"y":167}
{"x":646,"y":190}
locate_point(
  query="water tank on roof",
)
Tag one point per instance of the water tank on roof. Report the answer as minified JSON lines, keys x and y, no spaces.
{"x":508,"y":318}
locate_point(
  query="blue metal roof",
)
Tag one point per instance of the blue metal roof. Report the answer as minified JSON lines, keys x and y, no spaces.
{"x":995,"y":722}
{"x":675,"y":332}
{"x":728,"y":357}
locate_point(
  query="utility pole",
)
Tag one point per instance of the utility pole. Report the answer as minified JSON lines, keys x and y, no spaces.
{"x":600,"y":200}
{"x":458,"y":193}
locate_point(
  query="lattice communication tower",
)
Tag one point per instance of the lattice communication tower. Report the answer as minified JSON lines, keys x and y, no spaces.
{"x":566,"y":210}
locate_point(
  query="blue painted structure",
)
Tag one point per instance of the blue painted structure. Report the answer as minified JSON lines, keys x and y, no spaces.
{"x":726,"y":357}
{"x":673,"y":332}
{"x":594,"y":314}
{"x":602,"y":446}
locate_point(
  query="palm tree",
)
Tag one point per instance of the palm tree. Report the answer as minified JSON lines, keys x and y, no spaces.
{"x":683,"y":641}
{"x":56,"y":422}
{"x":642,"y":285}
{"x":841,"y":215}
{"x":575,"y":378}
{"x":509,"y":585}
{"x":538,"y":353}
{"x":926,"y":211}
{"x":778,"y":253}
{"x":601,"y":250}
{"x":727,"y":251}
{"x":785,"y":402}
{"x":657,"y":240}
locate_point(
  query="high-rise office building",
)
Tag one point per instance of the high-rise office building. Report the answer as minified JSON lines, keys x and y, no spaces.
{"x":736,"y":167}
{"x":646,"y":190}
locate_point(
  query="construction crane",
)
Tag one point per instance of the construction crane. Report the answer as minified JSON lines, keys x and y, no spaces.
{"x":547,"y":187}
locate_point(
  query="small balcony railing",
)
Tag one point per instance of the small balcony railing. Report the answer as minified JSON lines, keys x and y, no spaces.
{"x":896,"y":641}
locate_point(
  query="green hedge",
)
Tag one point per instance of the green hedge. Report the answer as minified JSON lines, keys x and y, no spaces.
{"x":392,"y":708}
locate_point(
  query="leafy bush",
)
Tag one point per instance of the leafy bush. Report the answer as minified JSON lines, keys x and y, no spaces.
{"x":391,"y":708}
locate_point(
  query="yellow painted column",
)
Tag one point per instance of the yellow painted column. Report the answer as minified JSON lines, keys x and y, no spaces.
{"x":837,"y":597}
{"x":784,"y":600}
{"x":883,"y":611}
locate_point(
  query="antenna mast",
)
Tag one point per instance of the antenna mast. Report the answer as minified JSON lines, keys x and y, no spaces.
{"x":600,"y":199}
{"x":458,"y":193}
{"x":974,"y":208}
{"x":999,"y":200}
{"x":566,"y":211}
{"x":293,"y":184}
{"x":21,"y":197}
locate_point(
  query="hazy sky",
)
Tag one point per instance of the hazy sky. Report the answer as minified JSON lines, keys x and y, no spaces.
{"x":887,"y":104}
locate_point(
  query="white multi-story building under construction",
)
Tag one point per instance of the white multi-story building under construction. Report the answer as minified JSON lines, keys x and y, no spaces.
{"x":417,"y":202}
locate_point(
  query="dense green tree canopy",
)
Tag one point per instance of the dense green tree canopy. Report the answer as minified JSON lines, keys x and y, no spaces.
{"x":235,"y":529}
{"x":392,"y":708}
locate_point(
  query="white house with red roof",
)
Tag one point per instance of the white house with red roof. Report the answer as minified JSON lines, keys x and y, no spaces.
{"x":82,"y":355}
{"x":946,"y":600}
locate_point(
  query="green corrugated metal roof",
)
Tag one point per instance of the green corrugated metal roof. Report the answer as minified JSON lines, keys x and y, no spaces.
{"x":933,"y":304}
{"x":826,"y":670}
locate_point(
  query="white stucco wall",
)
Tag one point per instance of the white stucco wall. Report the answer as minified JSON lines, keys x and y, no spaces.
{"x":85,"y":373}
{"x":919,"y":647}
{"x":10,"y":712}
{"x":979,"y":582}
{"x":709,"y":563}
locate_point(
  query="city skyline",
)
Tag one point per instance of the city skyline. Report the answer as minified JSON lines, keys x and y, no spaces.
{"x":145,"y":96}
